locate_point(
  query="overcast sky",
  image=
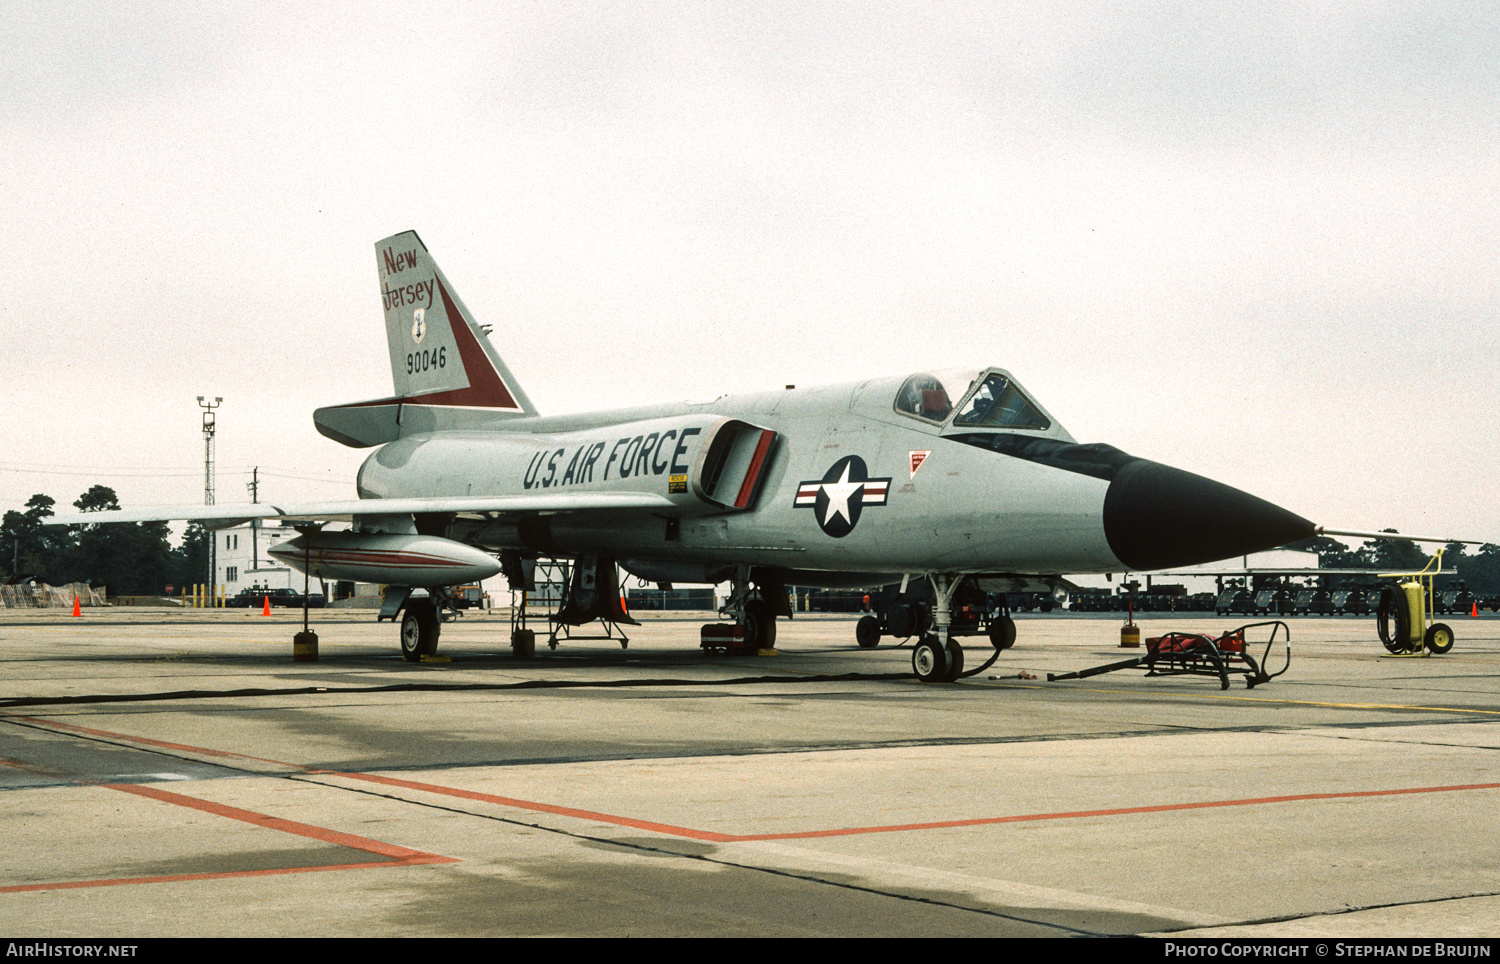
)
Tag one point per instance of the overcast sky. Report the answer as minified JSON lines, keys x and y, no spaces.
{"x":1257,"y":241}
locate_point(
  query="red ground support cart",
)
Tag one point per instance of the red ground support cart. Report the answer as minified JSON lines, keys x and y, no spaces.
{"x":1194,"y":654}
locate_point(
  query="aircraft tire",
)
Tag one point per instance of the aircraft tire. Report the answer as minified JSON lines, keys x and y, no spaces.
{"x":1002,"y":632}
{"x":955,"y":662}
{"x":419,"y":631}
{"x":1439,"y":638}
{"x":928,"y":660}
{"x":867,"y":632}
{"x":760,"y":625}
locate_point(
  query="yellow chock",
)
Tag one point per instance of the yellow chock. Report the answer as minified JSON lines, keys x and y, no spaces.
{"x":305,"y":647}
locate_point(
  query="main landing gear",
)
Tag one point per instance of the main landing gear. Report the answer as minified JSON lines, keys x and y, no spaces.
{"x":419,"y":630}
{"x":421,"y":619}
{"x":754,"y":609}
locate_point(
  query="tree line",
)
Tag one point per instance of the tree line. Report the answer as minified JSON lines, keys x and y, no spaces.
{"x":137,"y":559}
{"x":1479,"y":570}
{"x":129,"y":559}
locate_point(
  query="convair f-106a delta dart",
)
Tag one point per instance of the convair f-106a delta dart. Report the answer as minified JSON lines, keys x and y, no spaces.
{"x":953,"y":484}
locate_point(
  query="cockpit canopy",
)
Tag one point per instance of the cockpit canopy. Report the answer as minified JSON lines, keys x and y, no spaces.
{"x":988,"y":400}
{"x":927,"y":396}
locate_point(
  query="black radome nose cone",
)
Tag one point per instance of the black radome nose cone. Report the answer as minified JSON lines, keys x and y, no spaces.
{"x":1158,"y":517}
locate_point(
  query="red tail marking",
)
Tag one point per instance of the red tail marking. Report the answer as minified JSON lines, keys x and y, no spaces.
{"x":486,"y":390}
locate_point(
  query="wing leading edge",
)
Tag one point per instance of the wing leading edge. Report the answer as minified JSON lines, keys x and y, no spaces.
{"x":226,"y":516}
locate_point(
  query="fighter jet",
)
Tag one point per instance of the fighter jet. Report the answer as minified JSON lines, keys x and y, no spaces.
{"x":951,"y":484}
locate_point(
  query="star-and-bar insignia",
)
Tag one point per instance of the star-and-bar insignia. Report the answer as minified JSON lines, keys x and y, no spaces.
{"x":841,"y":495}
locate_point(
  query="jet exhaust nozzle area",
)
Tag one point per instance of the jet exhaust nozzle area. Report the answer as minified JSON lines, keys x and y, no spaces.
{"x":1158,"y":517}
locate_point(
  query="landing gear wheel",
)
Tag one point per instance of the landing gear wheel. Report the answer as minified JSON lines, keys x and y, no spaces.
{"x":955,"y":662}
{"x":419,"y":631}
{"x":928,"y":660}
{"x":1002,"y":632}
{"x":867,"y":632}
{"x":760,"y":625}
{"x":1439,"y":639}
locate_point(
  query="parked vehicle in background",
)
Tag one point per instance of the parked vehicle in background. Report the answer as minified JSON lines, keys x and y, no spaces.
{"x":254,"y":597}
{"x":1235,"y":601}
{"x":1314,"y":602}
{"x":1351,"y":602}
{"x":467,"y":597}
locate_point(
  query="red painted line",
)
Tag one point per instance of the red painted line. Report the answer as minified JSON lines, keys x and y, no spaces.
{"x":752,"y":475}
{"x":1120,"y":811}
{"x":393,"y":855}
{"x":383,"y":556}
{"x":713,"y":837}
{"x":668,"y":829}
{"x":223,"y":875}
{"x":147,"y":741}
{"x":663,"y":828}
{"x":277,"y":823}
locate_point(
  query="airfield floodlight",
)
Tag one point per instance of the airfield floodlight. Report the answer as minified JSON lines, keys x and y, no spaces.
{"x":208,"y":475}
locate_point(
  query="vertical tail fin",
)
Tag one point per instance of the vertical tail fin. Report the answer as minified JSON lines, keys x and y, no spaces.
{"x":446,"y":372}
{"x":439,"y":356}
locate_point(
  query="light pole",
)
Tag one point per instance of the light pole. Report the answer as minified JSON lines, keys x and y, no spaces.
{"x":208,"y":482}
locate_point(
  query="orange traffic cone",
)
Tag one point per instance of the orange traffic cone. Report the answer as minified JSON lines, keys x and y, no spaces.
{"x":266,"y":609}
{"x":1475,"y":611}
{"x":77,"y":609}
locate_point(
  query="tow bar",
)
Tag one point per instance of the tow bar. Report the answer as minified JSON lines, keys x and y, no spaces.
{"x":1194,"y":654}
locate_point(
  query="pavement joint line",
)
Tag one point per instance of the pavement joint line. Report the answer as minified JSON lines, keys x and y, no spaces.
{"x":1256,"y":699}
{"x":188,"y":878}
{"x":335,"y":837}
{"x":809,"y":876}
{"x":710,"y":836}
{"x":537,"y":807}
{"x":1114,"y":812}
{"x":395,"y":855}
{"x":717,"y":837}
{"x":1332,"y":913}
{"x":990,"y":887}
{"x":58,"y":725}
{"x":321,"y":689}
